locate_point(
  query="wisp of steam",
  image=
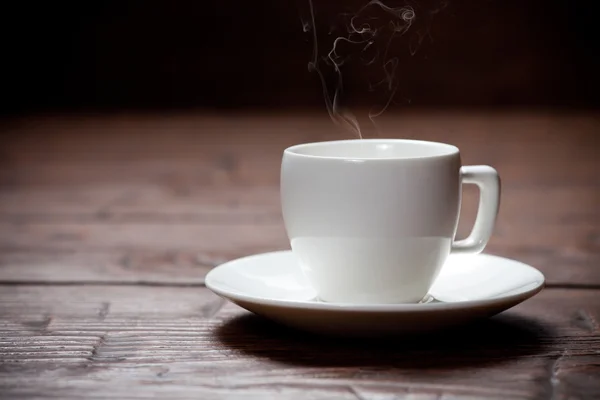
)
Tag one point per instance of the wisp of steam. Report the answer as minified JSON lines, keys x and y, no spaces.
{"x":371,"y":40}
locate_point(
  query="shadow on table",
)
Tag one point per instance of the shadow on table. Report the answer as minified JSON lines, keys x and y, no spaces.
{"x":490,"y":341}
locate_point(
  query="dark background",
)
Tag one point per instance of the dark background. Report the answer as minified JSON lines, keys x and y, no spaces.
{"x":254,"y":54}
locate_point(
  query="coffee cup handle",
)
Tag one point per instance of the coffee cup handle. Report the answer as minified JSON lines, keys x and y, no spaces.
{"x":488,"y":181}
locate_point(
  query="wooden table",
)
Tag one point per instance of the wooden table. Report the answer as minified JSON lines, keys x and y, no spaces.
{"x":109,"y":223}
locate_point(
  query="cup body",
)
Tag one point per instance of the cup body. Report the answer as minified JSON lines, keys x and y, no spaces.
{"x":371,"y":220}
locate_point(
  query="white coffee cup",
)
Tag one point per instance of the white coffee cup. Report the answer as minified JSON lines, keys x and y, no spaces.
{"x":374,"y":220}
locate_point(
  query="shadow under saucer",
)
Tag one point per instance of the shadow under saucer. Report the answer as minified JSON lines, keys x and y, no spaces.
{"x":487,"y":341}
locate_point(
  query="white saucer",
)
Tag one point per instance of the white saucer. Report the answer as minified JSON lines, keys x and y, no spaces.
{"x":469,"y":287}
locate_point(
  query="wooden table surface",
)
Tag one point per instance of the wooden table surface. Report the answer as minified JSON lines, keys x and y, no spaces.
{"x":109,"y":223}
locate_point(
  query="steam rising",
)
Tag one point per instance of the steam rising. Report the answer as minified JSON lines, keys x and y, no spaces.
{"x":372,"y":46}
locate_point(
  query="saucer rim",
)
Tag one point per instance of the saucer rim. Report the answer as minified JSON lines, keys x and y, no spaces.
{"x":375,"y":307}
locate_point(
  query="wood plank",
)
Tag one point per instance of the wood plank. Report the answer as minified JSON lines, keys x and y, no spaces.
{"x":523,"y":210}
{"x":179,"y":342}
{"x":566,"y":253}
{"x":50,"y":137}
{"x":210,"y":238}
{"x":188,"y":267}
{"x":76,"y":185}
{"x":149,"y":267}
{"x":176,"y":202}
{"x":245,"y":150}
{"x":138,"y":203}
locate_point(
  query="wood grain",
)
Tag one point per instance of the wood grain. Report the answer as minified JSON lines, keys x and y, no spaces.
{"x":176,"y":340}
{"x":568,"y":254}
{"x":109,"y":223}
{"x":149,"y":267}
{"x":202,"y":150}
{"x":166,"y":202}
{"x":149,"y":188}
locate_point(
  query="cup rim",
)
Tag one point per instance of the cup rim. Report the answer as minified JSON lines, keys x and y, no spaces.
{"x":451,"y":150}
